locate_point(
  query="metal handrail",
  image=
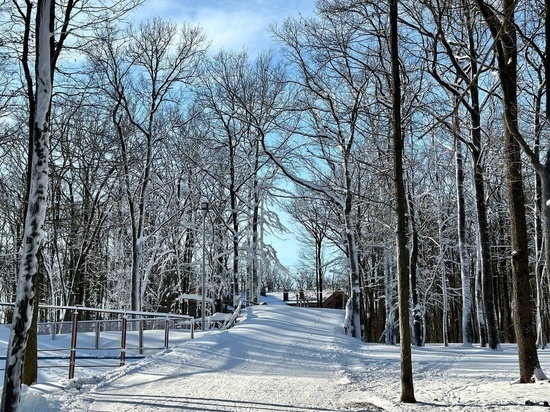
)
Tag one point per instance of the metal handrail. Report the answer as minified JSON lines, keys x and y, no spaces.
{"x":117,"y":311}
{"x":127,"y":316}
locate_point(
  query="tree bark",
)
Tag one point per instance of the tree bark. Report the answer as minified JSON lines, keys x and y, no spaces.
{"x":355,"y":296}
{"x":467,"y":332}
{"x":407,"y":388}
{"x":489,"y":325}
{"x":487,"y":292}
{"x":418,"y":324}
{"x":30,"y":367}
{"x":36,"y":212}
{"x":504,"y":35}
{"x":319,"y":270}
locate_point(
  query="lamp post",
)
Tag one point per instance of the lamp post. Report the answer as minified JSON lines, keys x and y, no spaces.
{"x":204,"y":208}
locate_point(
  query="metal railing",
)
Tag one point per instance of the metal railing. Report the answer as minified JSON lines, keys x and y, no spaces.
{"x":125,"y":320}
{"x":231,"y":321}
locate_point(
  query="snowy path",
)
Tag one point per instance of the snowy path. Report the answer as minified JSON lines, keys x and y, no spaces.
{"x":281,"y":358}
{"x":265,"y":364}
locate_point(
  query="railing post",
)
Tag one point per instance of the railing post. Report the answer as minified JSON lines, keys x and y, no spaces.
{"x":97,"y":332}
{"x":192,"y":328}
{"x":166,"y":332}
{"x":123,"y":342}
{"x":72,"y":357}
{"x":54,"y":326}
{"x":140,"y":336}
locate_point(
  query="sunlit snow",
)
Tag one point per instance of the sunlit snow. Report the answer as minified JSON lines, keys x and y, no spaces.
{"x":282,"y":358}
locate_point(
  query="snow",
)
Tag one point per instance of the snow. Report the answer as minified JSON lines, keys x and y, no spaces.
{"x":283,"y":358}
{"x":44,"y":82}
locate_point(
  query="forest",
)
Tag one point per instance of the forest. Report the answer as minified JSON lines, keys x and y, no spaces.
{"x":416,"y":165}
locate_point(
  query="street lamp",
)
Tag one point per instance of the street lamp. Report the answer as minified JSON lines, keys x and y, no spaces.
{"x":204,"y":208}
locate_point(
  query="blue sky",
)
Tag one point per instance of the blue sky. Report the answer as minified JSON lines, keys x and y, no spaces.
{"x":238,"y":25}
{"x":231,"y":24}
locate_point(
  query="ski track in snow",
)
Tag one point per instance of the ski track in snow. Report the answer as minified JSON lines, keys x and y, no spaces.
{"x":281,"y":358}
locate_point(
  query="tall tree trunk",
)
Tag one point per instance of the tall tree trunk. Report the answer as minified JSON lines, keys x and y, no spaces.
{"x":544,"y":173}
{"x":407,"y":388}
{"x":355,"y":295}
{"x":442,"y":268}
{"x":255,"y":278}
{"x":389,"y":293}
{"x":541,"y":230}
{"x":233,"y":199}
{"x":235,"y":265}
{"x":489,"y":324}
{"x":354,"y":321}
{"x":524,"y":324}
{"x":30,"y":367}
{"x":481,"y":317}
{"x":418,"y":310}
{"x":255,"y":283}
{"x":484,"y":240}
{"x":486,"y":269}
{"x":467,"y":332}
{"x":319,"y":271}
{"x":36,"y":212}
{"x":504,"y":35}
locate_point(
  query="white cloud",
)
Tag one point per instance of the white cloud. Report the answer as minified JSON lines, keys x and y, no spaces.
{"x":234,"y":29}
{"x":230,"y":24}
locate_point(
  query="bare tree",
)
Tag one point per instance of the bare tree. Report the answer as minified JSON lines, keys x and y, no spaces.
{"x":331,"y":97}
{"x":36,"y":210}
{"x":142,"y":77}
{"x":503,"y":30}
{"x":407,"y":388}
{"x":38,"y":94}
{"x":467,"y":332}
{"x":449,"y":34}
{"x":240,"y":97}
{"x":313,"y":216}
{"x":82,"y":174}
{"x":63,"y":34}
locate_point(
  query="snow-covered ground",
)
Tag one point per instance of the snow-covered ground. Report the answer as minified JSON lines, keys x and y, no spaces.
{"x":281,"y":358}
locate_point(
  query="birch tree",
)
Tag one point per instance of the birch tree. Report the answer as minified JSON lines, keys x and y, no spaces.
{"x":65,"y":33}
{"x":36,"y":210}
